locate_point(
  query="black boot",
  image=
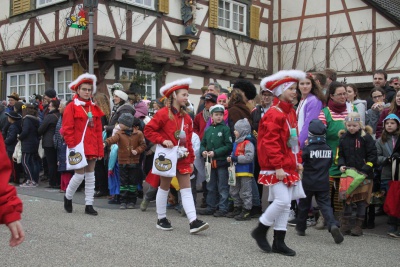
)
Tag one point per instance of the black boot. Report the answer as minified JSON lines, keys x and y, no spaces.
{"x":67,"y":205}
{"x":260,"y":235}
{"x":279,"y":246}
{"x":89,"y":210}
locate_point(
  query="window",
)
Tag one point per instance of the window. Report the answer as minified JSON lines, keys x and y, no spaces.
{"x":26,"y":84}
{"x":143,"y":3}
{"x":63,"y":77}
{"x":43,"y":3}
{"x":232,"y":16}
{"x":149,"y":81}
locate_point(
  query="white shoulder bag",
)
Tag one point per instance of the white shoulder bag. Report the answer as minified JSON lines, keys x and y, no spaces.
{"x":76,"y":155}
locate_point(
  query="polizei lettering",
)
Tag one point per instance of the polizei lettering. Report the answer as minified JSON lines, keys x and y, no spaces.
{"x":321,"y":154}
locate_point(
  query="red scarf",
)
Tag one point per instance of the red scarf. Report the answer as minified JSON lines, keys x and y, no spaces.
{"x":336,"y":107}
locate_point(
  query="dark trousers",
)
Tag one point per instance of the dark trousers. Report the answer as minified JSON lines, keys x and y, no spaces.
{"x":128,"y":174}
{"x":101,"y":174}
{"x":324,"y":203}
{"x":51,"y":158}
{"x":31,"y":168}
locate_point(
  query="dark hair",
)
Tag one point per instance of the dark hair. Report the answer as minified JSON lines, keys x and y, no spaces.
{"x":38,"y":97}
{"x":315,"y":88}
{"x":321,"y":78}
{"x":332,"y":89}
{"x":18,"y":107}
{"x":384,"y":135}
{"x":331,"y":74}
{"x":380,"y":71}
{"x":355,"y":89}
{"x":55,"y":103}
{"x":377,"y":89}
{"x":136,"y":122}
{"x":29,"y":110}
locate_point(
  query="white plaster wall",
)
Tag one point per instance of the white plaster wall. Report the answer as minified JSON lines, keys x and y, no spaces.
{"x":365,"y":46}
{"x":291,"y":8}
{"x":361,"y":20}
{"x":243,"y":52}
{"x":314,"y":27}
{"x":175,"y":9}
{"x":47,"y":22}
{"x":166,"y":41}
{"x":382,"y":22}
{"x":259,"y":58}
{"x":111,"y":73}
{"x":336,"y":5}
{"x":224,"y":51}
{"x":344,"y":56}
{"x":289,"y":30}
{"x":152,"y":37}
{"x":315,"y":7}
{"x":11,"y":34}
{"x":104,"y":27}
{"x":203,"y":46}
{"x":311,"y":55}
{"x":5,"y":9}
{"x":139,"y":25}
{"x":119,"y":15}
{"x":385,"y":44}
{"x":338,"y":24}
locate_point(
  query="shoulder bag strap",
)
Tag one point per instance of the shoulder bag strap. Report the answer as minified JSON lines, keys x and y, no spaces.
{"x":84,"y":131}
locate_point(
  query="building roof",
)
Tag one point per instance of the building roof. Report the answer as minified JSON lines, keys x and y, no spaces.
{"x":388,"y":8}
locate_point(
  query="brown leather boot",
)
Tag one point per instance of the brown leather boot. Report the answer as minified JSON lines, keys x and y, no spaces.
{"x":345,"y":226}
{"x":357,"y":229}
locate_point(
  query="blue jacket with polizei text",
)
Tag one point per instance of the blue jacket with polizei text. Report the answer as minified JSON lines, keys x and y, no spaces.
{"x":317,"y":159}
{"x":243,"y":156}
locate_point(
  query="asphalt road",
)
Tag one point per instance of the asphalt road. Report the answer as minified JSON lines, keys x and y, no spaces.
{"x":130,"y":238}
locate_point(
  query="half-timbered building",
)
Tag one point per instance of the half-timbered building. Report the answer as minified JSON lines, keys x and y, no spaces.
{"x":43,"y":43}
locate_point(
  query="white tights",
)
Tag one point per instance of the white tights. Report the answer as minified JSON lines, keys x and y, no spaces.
{"x":277,"y":212}
{"x":76,"y":180}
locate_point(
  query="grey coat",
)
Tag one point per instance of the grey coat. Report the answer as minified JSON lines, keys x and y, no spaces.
{"x":383,"y":157}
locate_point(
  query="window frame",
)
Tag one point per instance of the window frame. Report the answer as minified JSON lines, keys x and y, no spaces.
{"x":153,"y":93}
{"x":231,"y":13}
{"x":26,"y":83}
{"x":66,"y":92}
{"x":53,"y":2}
{"x":133,"y":2}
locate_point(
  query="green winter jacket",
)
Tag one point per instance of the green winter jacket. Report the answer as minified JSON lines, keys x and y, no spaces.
{"x":217,"y":138}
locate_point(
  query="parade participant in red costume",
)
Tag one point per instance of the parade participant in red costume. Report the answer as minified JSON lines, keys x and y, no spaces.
{"x":81,"y":112}
{"x":165,"y":129}
{"x":10,"y":204}
{"x":280,"y":166}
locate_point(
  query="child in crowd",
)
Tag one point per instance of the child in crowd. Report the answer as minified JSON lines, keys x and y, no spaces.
{"x":61,"y":148}
{"x":172,"y":125}
{"x":11,"y":140}
{"x":131,"y":144}
{"x":243,"y":157}
{"x":317,"y":159}
{"x":29,"y":145}
{"x":356,"y":149}
{"x":386,"y":147}
{"x":217,"y":145}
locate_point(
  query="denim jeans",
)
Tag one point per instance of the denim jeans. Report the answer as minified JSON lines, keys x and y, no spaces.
{"x":31,"y":168}
{"x":218,"y":189}
{"x":255,"y":194}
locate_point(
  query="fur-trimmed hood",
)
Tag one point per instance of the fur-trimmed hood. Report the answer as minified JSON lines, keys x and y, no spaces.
{"x":367,"y":130}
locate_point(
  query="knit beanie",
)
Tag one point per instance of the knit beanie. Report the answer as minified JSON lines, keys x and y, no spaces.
{"x":50,"y":93}
{"x":243,"y":128}
{"x":316,"y":132}
{"x":126,"y":119}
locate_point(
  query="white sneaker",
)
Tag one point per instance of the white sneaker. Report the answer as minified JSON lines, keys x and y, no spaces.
{"x":311,"y":221}
{"x":292,"y":215}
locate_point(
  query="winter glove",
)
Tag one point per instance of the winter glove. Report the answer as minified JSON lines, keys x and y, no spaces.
{"x":234,"y":158}
{"x":110,"y":172}
{"x":366,"y":169}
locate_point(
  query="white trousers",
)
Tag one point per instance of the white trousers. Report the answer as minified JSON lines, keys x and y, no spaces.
{"x":277,"y":212}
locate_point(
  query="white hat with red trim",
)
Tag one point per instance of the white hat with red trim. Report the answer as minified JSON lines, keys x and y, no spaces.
{"x":84,"y":78}
{"x":282,"y":80}
{"x":171,"y":87}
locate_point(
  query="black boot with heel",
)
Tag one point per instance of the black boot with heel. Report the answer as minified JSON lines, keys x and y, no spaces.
{"x":279,"y":246}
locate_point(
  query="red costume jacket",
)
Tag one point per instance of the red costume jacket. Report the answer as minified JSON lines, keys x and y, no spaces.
{"x":273,"y":136}
{"x":73,"y":125}
{"x":161,"y":128}
{"x":199,"y":125}
{"x":10,"y":204}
